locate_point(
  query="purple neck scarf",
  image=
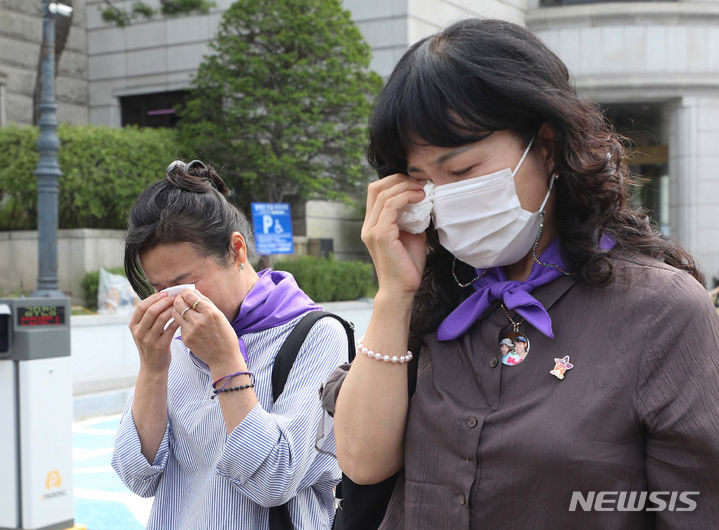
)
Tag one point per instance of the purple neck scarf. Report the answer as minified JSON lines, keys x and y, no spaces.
{"x":494,"y":285}
{"x":274,"y":300}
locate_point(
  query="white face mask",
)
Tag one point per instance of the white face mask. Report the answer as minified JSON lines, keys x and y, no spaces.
{"x":481,"y":222}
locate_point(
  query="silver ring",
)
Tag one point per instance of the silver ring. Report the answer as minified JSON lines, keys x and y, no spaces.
{"x":185,"y":311}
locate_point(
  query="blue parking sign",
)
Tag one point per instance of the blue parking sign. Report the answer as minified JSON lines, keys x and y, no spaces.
{"x":272,"y":224}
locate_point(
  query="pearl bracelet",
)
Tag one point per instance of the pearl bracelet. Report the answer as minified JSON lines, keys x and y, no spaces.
{"x":386,"y":358}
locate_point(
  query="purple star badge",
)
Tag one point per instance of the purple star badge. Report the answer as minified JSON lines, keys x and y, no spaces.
{"x":561,"y":366}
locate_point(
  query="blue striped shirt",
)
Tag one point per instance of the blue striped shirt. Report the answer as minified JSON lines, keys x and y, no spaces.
{"x":204,"y":478}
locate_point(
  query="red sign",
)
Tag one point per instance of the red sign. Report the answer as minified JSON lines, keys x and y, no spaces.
{"x":41,"y":315}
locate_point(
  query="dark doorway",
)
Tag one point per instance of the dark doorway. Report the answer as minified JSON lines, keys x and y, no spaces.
{"x":647,"y":157}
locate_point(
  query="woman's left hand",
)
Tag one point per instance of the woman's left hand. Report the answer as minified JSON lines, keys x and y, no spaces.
{"x":206,"y":331}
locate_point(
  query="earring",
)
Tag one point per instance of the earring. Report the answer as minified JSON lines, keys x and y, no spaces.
{"x":242,"y":266}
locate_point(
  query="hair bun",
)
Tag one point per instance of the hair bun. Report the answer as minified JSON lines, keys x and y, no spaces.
{"x":195,"y":177}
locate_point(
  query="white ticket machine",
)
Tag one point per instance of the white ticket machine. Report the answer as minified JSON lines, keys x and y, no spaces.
{"x":36,"y":414}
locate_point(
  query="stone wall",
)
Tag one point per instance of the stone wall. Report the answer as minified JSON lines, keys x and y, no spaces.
{"x":332,"y":220}
{"x":79,"y":251}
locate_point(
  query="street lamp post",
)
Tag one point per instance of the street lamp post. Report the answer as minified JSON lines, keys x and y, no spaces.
{"x":36,"y":458}
{"x":48,"y":170}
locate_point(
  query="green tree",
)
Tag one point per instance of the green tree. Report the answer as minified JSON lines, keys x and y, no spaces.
{"x":281,"y":104}
{"x":124,"y":16}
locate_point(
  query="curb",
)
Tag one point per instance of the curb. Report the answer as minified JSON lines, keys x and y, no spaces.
{"x":99,"y":403}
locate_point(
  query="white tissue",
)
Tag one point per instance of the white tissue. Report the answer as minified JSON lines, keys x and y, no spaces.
{"x":174,"y":291}
{"x":414,"y":218}
{"x":177,"y":289}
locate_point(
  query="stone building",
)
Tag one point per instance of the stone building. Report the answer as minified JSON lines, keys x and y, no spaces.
{"x":20,"y":38}
{"x":654,"y":67}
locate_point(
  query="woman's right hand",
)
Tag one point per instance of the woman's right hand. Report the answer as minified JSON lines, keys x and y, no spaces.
{"x":371,"y":409}
{"x":399,"y":257}
{"x":148,"y":329}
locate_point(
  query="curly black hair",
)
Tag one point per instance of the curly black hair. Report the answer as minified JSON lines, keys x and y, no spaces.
{"x":478,"y":76}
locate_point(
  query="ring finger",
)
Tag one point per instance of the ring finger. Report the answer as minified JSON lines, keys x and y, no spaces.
{"x":194,"y":300}
{"x":182,"y":316}
{"x":185,"y":303}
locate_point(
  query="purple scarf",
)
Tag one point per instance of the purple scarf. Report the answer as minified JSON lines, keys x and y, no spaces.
{"x":274,"y":300}
{"x":515,"y":295}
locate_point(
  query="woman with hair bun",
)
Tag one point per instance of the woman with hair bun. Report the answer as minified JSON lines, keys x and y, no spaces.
{"x":502,"y":211}
{"x":201,"y":432}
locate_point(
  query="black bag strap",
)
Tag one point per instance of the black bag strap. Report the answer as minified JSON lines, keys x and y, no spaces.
{"x":291,"y":347}
{"x":280,"y":518}
{"x":280,"y":515}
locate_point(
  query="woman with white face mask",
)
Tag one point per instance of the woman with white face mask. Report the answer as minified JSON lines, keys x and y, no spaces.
{"x":502,"y":217}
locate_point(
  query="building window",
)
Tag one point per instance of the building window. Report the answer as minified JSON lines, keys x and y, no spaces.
{"x":152,"y":110}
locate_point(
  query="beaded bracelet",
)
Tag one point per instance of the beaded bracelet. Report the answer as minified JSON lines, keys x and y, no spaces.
{"x":386,"y":358}
{"x":231,"y":389}
{"x":229,"y":377}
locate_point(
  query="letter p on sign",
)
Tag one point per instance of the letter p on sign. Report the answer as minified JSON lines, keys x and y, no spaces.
{"x":266,"y":223}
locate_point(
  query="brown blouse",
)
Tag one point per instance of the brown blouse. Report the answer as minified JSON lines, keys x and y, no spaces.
{"x":495,"y":446}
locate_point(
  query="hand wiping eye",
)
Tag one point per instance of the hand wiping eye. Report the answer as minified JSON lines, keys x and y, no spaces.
{"x":414,"y":218}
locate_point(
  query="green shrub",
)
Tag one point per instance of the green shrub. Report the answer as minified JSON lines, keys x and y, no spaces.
{"x":328,"y":280}
{"x":90,"y":284}
{"x":104,"y":170}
